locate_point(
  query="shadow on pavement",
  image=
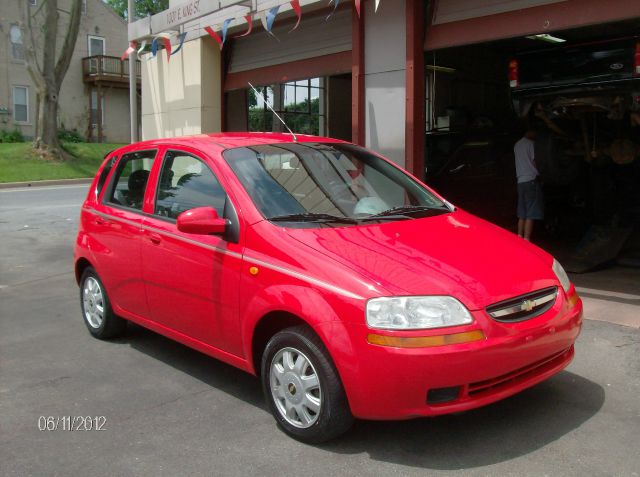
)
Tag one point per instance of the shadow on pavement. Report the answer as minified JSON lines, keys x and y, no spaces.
{"x":209,"y":370}
{"x":499,"y":432}
{"x":502,"y":431}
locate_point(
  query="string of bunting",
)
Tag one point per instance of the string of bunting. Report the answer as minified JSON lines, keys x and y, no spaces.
{"x":267,"y":18}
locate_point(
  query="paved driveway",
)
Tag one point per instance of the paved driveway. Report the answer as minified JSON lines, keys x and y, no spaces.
{"x":168,"y":410}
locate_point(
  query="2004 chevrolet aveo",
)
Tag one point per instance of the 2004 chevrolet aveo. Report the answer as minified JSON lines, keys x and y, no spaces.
{"x":346,"y":284}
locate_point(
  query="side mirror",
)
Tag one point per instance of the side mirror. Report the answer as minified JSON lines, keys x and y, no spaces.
{"x":201,"y":221}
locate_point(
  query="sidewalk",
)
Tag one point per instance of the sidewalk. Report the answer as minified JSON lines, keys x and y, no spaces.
{"x":611,"y":295}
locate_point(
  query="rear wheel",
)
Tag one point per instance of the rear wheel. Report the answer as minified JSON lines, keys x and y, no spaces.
{"x":302,"y":387}
{"x":96,"y":308}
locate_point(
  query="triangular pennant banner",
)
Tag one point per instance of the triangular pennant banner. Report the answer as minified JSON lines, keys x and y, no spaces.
{"x":377,"y":3}
{"x":358,"y":7}
{"x":167,"y":46}
{"x":142,"y":47}
{"x":154,"y":47}
{"x":295,"y":4}
{"x":181,"y":37}
{"x":249,"y":19}
{"x":225,"y":27}
{"x":214,"y":35}
{"x":132,"y":47}
{"x":335,"y":5}
{"x":268,"y":18}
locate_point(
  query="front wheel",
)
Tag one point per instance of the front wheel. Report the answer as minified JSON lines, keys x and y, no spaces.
{"x":302,"y":387}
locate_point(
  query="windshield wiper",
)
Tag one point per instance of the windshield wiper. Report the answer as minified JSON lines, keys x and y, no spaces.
{"x":311,"y":217}
{"x":408,"y":210}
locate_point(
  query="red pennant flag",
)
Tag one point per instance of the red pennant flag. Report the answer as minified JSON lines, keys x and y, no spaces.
{"x":132,"y":47}
{"x":295,"y":4}
{"x":358,"y":7}
{"x":249,"y":19}
{"x":214,"y":35}
{"x":167,"y":47}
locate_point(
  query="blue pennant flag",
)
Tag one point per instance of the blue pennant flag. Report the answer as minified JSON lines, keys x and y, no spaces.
{"x":181,"y":37}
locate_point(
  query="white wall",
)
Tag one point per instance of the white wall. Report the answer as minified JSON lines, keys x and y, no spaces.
{"x":182,"y":97}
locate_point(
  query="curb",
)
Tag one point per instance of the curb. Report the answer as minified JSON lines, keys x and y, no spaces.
{"x":14,"y":185}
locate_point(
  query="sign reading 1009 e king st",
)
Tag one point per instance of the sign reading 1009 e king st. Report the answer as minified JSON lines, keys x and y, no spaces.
{"x":185,"y":12}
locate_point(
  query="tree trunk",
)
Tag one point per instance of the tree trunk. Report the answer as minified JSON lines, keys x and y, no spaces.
{"x":49,"y":131}
{"x":49,"y":73}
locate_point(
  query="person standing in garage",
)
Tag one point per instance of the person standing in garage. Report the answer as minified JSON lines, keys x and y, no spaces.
{"x":530,"y":198}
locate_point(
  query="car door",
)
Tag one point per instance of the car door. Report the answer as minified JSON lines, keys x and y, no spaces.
{"x":192,"y":280}
{"x":117,"y":227}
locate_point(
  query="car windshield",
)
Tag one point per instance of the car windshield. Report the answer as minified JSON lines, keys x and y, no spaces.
{"x":332,"y":184}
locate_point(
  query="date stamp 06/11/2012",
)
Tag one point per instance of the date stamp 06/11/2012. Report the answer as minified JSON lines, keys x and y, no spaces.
{"x":72,"y":423}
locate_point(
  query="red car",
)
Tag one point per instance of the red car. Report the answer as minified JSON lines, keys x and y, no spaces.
{"x":346,"y":284}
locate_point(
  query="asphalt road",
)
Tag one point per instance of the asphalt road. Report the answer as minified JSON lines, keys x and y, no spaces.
{"x":168,"y":410}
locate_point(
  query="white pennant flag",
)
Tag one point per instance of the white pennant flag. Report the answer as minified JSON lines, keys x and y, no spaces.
{"x":377,"y":3}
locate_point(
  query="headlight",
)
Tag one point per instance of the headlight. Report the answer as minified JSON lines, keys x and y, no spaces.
{"x":561,"y":275}
{"x":416,"y":312}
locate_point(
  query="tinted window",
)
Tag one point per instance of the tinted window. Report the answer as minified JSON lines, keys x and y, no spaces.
{"x":104,"y":174}
{"x":340,"y":180}
{"x":130,"y":179}
{"x":186,"y":183}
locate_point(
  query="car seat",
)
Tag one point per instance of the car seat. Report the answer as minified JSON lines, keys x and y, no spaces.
{"x":137,"y":185}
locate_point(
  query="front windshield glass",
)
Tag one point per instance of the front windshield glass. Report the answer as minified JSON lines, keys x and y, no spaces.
{"x":328,"y":183}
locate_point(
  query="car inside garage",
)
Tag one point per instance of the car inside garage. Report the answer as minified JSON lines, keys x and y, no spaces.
{"x":580,"y":89}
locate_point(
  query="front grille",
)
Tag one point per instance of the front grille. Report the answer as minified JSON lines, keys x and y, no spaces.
{"x":523,"y":307}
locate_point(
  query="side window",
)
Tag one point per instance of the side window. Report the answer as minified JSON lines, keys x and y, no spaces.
{"x":186,"y":183}
{"x":104,"y":174}
{"x":130,"y":179}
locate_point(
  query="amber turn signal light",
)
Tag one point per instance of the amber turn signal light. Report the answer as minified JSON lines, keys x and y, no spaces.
{"x":425,"y":341}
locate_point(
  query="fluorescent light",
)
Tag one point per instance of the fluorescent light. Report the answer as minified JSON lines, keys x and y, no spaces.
{"x":441,"y":69}
{"x":546,"y":37}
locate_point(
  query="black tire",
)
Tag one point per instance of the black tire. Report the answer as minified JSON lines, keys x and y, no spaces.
{"x":111,"y":325}
{"x":334,"y":416}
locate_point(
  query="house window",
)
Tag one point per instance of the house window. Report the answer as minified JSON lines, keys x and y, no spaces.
{"x":33,"y":2}
{"x":94,"y":109}
{"x":300,"y":103}
{"x":21,"y":104}
{"x":96,"y":45}
{"x":17,"y":49}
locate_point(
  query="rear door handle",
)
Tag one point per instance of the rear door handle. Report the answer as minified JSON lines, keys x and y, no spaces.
{"x":101,"y":221}
{"x":155,"y":238}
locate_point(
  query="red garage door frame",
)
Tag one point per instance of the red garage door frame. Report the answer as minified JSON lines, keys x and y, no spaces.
{"x":527,"y":21}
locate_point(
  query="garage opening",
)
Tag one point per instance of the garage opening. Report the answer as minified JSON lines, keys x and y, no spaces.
{"x":580,"y":89}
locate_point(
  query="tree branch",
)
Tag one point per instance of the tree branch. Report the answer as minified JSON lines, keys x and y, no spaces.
{"x":69,"y":42}
{"x":31,"y":59}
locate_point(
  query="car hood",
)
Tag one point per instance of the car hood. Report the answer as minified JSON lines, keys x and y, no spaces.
{"x":453,"y":254}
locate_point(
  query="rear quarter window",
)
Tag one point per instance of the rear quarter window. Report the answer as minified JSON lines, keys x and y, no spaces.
{"x":105,"y":173}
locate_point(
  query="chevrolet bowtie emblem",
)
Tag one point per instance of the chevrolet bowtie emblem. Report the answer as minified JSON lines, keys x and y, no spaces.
{"x":527,"y":305}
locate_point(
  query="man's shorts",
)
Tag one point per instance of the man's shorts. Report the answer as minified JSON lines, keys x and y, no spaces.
{"x":530,"y":200}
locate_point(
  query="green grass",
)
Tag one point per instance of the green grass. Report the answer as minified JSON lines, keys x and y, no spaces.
{"x":19,"y":164}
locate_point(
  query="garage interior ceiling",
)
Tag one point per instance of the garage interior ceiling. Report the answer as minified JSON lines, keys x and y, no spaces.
{"x":627,"y":28}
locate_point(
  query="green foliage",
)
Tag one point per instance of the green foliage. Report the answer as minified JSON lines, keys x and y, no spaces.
{"x":143,"y":7}
{"x":259,"y":120}
{"x":65,"y":135}
{"x":11,"y":136}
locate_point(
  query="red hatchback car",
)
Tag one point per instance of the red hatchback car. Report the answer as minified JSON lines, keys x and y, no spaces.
{"x":346,"y":284}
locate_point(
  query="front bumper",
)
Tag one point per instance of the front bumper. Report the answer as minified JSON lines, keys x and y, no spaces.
{"x":393,"y":383}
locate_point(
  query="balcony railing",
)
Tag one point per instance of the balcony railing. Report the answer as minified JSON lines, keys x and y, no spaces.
{"x":107,"y":69}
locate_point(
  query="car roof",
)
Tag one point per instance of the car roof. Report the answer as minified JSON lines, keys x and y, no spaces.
{"x":228,"y":140}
